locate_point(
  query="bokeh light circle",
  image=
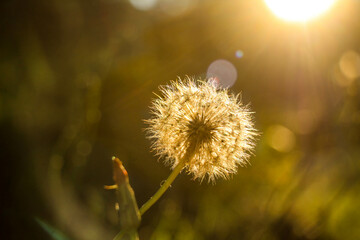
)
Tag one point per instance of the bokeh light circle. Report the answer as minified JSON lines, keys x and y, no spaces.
{"x":143,"y":4}
{"x":350,"y":64}
{"x":223,"y":72}
{"x":280,"y":138}
{"x":239,"y":54}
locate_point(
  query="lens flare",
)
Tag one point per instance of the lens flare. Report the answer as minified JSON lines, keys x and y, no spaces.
{"x":299,"y":10}
{"x":223,"y":72}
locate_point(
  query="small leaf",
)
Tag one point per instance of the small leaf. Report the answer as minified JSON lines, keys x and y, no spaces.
{"x":126,"y":206}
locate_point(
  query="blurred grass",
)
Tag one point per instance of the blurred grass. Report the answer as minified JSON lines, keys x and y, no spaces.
{"x":53,"y":232}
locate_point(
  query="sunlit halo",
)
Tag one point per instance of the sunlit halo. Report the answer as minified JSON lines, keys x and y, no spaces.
{"x":298,"y":10}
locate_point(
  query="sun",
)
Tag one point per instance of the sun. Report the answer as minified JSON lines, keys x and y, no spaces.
{"x":298,"y":10}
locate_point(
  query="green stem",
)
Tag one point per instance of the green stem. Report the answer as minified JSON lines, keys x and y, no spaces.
{"x":163,"y":188}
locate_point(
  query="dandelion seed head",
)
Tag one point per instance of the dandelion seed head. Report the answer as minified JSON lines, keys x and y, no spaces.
{"x":208,"y":128}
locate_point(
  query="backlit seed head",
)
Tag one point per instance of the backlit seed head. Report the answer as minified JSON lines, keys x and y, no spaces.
{"x":207,"y":128}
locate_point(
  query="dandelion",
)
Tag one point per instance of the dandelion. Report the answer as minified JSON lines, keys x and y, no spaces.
{"x":201,"y":128}
{"x":207,"y":129}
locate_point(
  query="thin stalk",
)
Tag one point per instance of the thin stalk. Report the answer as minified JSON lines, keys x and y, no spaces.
{"x":163,"y":188}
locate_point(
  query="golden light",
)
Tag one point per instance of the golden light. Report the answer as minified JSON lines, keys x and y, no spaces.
{"x":299,"y":10}
{"x":280,"y":138}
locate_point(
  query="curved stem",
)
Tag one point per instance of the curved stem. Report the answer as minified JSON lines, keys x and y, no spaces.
{"x":163,"y":188}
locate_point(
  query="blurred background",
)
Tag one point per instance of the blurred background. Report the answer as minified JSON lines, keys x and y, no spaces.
{"x":77,"y":78}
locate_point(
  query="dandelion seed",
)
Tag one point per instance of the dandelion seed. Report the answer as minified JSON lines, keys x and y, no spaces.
{"x":204,"y":128}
